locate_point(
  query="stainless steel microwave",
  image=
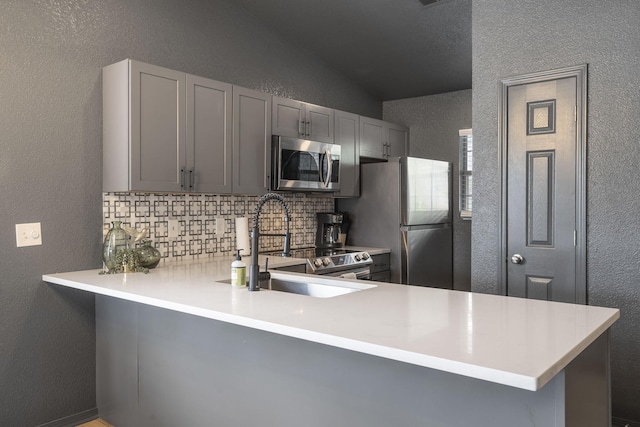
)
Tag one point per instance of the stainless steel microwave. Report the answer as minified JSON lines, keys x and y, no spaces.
{"x":303,"y":165}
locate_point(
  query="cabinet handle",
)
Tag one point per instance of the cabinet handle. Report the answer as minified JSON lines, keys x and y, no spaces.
{"x":191,"y":179}
{"x":308,"y":128}
{"x":301,"y":124}
{"x":182,"y":178}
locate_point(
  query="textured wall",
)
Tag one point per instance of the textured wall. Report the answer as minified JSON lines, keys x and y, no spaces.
{"x":50,"y":163}
{"x":434,"y":122}
{"x":519,"y":37}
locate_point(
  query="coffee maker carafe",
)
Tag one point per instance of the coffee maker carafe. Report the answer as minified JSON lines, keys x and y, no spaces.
{"x":329,"y":230}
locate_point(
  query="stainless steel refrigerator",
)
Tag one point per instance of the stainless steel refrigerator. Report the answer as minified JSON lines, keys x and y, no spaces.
{"x":405,"y":205}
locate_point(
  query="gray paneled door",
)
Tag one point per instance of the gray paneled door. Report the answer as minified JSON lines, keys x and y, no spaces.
{"x":541,"y":190}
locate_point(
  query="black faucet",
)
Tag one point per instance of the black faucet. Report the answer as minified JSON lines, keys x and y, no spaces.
{"x":254,"y":267}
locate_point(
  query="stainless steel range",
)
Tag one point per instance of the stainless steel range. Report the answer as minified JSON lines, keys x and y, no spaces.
{"x":334,"y":261}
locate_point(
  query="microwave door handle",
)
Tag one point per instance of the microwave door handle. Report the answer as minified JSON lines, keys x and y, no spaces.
{"x":327,"y":156}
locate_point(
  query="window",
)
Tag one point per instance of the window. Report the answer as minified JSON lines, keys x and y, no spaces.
{"x":466,"y":168}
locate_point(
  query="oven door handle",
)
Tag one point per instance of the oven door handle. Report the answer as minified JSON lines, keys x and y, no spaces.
{"x":361,"y":274}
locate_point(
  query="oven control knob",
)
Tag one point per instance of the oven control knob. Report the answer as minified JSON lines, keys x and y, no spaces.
{"x":365,"y":256}
{"x":317,"y":262}
{"x":357,"y":257}
{"x":326,"y":261}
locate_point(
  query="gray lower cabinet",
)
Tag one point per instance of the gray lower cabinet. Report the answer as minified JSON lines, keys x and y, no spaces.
{"x":162,"y":368}
{"x":298,"y":119}
{"x":251,"y":141}
{"x":347,"y":134}
{"x":381,"y":268}
{"x":380,"y":140}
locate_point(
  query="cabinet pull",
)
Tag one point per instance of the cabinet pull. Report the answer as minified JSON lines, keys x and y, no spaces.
{"x":182,"y":178}
{"x":301,"y":124}
{"x":308,"y":128}
{"x":191,"y":179}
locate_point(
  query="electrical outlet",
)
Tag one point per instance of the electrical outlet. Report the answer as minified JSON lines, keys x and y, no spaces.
{"x":28,"y":234}
{"x":174,"y":228}
{"x":221,"y":225}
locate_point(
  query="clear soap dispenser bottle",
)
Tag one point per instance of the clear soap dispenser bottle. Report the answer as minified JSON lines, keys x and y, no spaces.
{"x":238,"y":272}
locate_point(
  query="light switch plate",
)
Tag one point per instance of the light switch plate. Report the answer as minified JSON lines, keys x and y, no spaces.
{"x":28,"y":234}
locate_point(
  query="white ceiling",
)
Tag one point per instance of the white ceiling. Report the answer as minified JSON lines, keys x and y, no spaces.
{"x":394,"y":49}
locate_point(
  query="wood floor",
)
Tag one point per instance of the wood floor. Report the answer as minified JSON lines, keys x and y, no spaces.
{"x":96,"y":423}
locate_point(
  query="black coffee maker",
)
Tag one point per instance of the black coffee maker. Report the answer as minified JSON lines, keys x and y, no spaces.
{"x":329,"y":230}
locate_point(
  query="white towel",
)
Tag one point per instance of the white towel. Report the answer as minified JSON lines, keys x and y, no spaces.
{"x":349,"y":276}
{"x":242,"y":236}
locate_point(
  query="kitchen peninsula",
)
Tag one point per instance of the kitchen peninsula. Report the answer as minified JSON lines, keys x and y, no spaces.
{"x":179,"y":347}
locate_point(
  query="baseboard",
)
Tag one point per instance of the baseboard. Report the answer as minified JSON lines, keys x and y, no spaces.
{"x":73,"y":420}
{"x":619,"y":422}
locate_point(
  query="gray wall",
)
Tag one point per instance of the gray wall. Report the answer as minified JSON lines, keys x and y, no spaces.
{"x":519,"y":37}
{"x":50,"y":167}
{"x":434,"y":122}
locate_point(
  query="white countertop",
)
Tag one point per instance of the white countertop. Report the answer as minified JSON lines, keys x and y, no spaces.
{"x":511,"y":341}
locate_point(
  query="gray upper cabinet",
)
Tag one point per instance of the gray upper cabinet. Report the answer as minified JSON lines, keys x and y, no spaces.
{"x":165,"y":131}
{"x":372,"y":138}
{"x":143,"y":127}
{"x":397,"y":140}
{"x":347,"y":134}
{"x":168,"y":131}
{"x":251,"y":141}
{"x":302,"y":120}
{"x":381,"y":140}
{"x":209,"y":136}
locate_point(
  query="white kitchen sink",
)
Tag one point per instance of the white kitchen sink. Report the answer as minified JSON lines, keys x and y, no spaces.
{"x":313,"y":286}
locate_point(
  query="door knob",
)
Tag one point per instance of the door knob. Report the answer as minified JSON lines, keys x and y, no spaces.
{"x":517,"y":259}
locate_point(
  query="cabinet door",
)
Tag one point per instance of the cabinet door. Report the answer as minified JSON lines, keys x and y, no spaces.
{"x":319,"y":123}
{"x":397,"y":140}
{"x":347,"y":134}
{"x":157,"y":125}
{"x":251,"y":141}
{"x":372,"y":138}
{"x":383,"y":276}
{"x":381,"y":263}
{"x":209,"y":136}
{"x":288,"y":117}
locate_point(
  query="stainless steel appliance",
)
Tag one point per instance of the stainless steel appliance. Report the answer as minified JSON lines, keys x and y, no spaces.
{"x":405,"y":205}
{"x":334,"y":262}
{"x":329,"y":230}
{"x":303,"y":165}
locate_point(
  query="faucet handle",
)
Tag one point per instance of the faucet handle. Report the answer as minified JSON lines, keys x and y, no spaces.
{"x":264,"y":275}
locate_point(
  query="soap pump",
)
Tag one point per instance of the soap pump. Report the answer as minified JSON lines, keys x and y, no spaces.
{"x":238,"y":272}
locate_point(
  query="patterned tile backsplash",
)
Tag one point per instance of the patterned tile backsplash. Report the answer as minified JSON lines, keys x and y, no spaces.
{"x":197,"y":215}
